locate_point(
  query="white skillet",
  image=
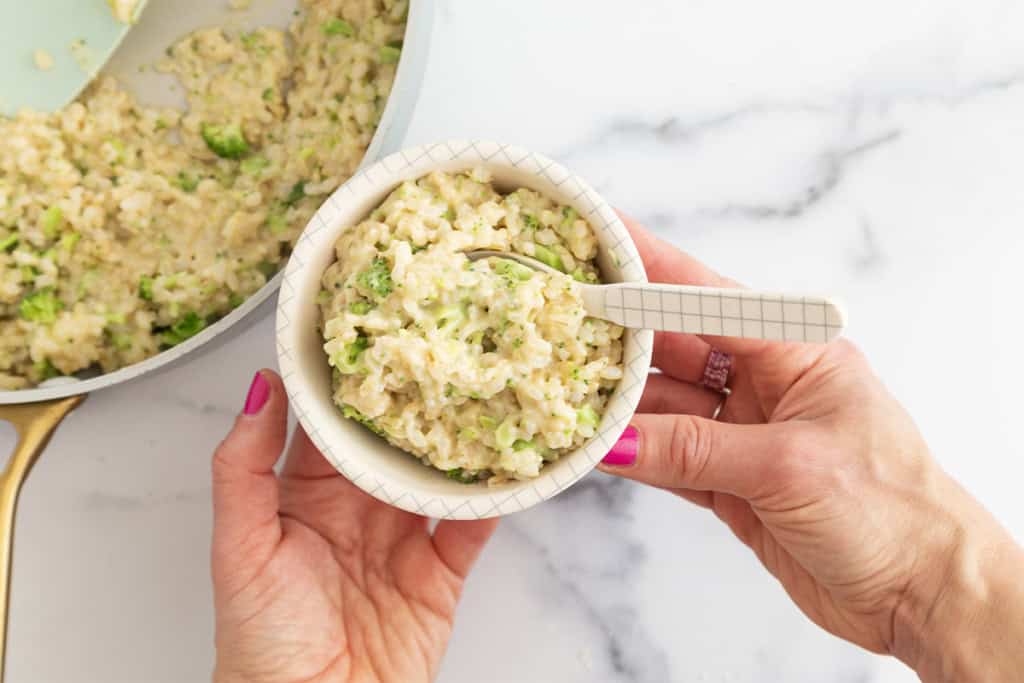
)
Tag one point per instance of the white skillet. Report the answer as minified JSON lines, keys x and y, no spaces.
{"x":36,"y":412}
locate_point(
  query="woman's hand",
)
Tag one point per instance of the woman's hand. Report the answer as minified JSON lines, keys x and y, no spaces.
{"x":313,"y":579}
{"x":816,"y":468}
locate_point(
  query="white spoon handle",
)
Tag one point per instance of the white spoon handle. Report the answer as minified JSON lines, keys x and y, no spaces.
{"x":718,"y":312}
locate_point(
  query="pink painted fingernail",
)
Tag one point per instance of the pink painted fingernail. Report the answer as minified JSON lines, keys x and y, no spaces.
{"x":259,"y":392}
{"x":623,"y":453}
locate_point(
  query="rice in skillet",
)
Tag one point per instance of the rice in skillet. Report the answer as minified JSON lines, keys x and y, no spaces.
{"x":487,"y":369}
{"x":125,"y":230}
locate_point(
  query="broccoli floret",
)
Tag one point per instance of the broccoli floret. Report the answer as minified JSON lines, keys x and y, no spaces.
{"x":530,"y":221}
{"x":463,"y":476}
{"x":377,"y":279}
{"x":225,"y":141}
{"x":119,"y":151}
{"x":186,"y":182}
{"x":9,"y":243}
{"x":268,"y":94}
{"x":253,"y":165}
{"x":585,"y":278}
{"x":296,"y":194}
{"x":353,"y":414}
{"x":187,"y":327}
{"x":250,"y":40}
{"x":587,"y":416}
{"x":53,"y":218}
{"x":513,"y":269}
{"x":487,"y":422}
{"x":505,"y":434}
{"x":45,"y":370}
{"x":348,"y":361}
{"x":522,"y":445}
{"x":548,"y":257}
{"x":569,"y":215}
{"x":41,"y":306}
{"x":146,"y":288}
{"x":360,"y":307}
{"x":254,"y":42}
{"x":69,"y":240}
{"x":123,"y":342}
{"x":235,"y":300}
{"x":337,"y":27}
{"x":389,"y":54}
{"x":277,"y":222}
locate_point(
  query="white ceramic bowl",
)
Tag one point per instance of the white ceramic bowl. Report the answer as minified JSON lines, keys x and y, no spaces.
{"x":367,"y":460}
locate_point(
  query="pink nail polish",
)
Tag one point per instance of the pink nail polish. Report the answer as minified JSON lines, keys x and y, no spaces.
{"x":623,"y":453}
{"x":259,"y":392}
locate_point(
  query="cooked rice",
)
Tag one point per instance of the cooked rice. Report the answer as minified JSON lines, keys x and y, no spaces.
{"x":123,"y":233}
{"x":123,"y":10}
{"x":483,"y":369}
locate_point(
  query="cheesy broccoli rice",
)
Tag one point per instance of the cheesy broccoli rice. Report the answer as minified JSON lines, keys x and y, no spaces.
{"x":125,"y":230}
{"x":483,"y":369}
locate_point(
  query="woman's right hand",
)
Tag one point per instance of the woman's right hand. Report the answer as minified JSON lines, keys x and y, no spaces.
{"x":816,"y":468}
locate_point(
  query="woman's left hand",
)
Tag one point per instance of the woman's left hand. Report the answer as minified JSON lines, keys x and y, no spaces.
{"x":313,"y":579}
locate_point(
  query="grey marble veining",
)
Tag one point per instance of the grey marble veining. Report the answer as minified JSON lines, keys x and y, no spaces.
{"x":870,"y":150}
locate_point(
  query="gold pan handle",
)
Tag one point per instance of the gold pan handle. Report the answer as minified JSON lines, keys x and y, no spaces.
{"x":35,"y":423}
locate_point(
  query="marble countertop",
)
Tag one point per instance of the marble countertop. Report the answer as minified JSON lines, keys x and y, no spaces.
{"x":871,"y":150}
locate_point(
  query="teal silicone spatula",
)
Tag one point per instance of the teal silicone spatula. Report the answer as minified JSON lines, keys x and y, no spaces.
{"x":51,"y":49}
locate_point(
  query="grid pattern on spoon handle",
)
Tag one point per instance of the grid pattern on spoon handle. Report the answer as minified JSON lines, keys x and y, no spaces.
{"x":723,"y":312}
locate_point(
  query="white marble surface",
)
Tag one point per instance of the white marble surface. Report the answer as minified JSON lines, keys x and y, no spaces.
{"x":873,"y":150}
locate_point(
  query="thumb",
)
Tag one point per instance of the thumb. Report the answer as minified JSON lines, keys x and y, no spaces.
{"x":688,"y":452}
{"x":246,"y":527}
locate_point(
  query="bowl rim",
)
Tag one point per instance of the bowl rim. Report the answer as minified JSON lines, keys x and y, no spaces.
{"x":316,"y":411}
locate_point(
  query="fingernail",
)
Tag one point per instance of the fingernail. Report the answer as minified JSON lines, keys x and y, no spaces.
{"x":623,"y":453}
{"x":259,"y":392}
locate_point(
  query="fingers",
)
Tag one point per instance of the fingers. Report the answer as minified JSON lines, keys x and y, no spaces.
{"x":702,"y":499}
{"x":686,"y":452}
{"x":245,"y":493}
{"x":682,"y":356}
{"x":305,"y":461}
{"x":310,"y":482}
{"x":459,"y":543}
{"x":664,"y":263}
{"x":666,"y":396}
{"x":740,"y":518}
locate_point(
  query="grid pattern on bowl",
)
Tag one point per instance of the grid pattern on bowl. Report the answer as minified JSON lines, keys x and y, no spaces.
{"x":410,"y":164}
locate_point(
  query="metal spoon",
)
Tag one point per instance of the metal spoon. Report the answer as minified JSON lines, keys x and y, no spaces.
{"x":703,"y":310}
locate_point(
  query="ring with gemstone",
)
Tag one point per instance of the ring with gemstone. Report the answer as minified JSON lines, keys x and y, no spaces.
{"x":716,"y":372}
